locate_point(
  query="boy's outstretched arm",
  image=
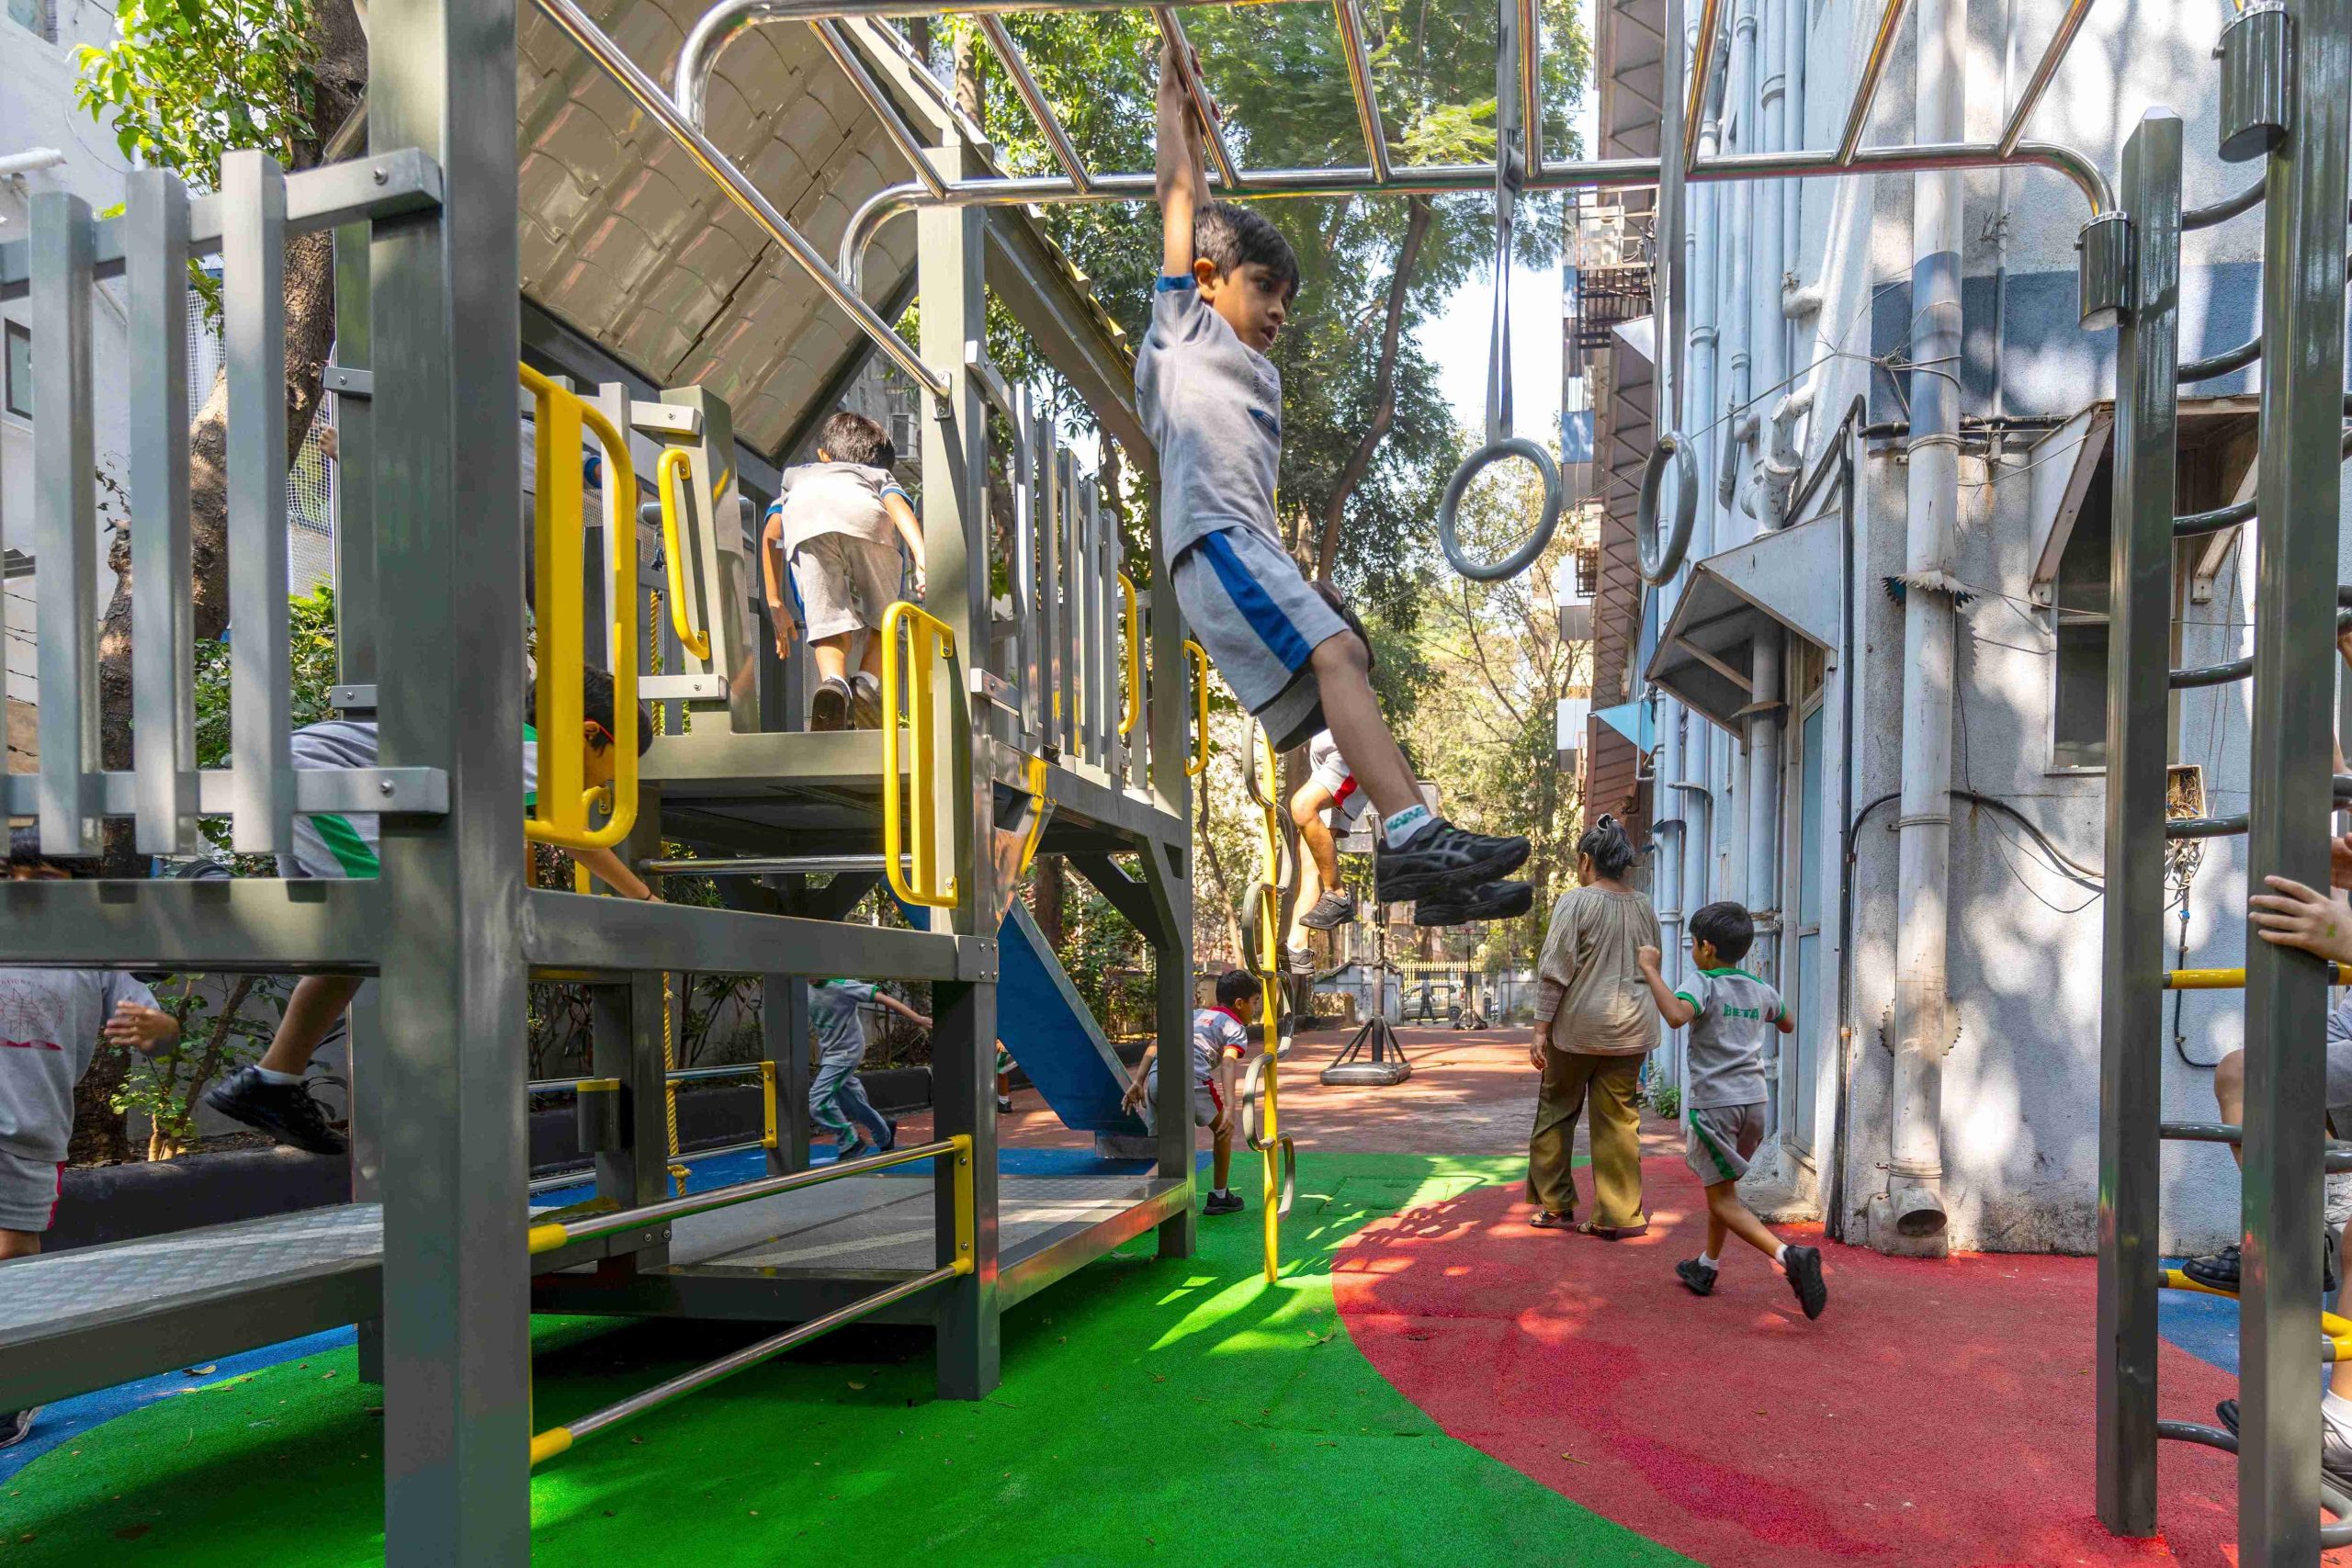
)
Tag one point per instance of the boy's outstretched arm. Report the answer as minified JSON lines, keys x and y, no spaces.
{"x":614,"y":872}
{"x":1181,"y":178}
{"x":1671,"y":1008}
{"x":902,"y":1010}
{"x":902,"y":517}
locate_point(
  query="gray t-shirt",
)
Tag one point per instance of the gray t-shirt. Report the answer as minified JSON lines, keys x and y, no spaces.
{"x":836,"y":498}
{"x":1737,"y":1016}
{"x":331,"y":845}
{"x":1212,"y":407}
{"x":49,"y":1021}
{"x":833,"y":1016}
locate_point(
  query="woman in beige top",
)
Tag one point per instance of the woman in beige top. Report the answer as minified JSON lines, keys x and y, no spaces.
{"x":1594,"y":1022}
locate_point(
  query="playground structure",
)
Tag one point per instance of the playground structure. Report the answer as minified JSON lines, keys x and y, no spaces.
{"x":1022,"y":732}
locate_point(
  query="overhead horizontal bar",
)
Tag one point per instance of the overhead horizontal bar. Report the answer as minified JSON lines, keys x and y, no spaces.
{"x":384,"y":186}
{"x":2225,"y":980}
{"x":573,"y":933}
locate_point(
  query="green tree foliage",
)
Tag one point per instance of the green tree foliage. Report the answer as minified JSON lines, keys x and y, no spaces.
{"x":187,"y":81}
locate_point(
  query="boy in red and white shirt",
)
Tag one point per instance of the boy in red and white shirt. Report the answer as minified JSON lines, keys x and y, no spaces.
{"x":1220,"y":1038}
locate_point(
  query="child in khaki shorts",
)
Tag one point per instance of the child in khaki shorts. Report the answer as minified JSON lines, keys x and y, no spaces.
{"x":1728,"y":1010}
{"x":837,"y":531}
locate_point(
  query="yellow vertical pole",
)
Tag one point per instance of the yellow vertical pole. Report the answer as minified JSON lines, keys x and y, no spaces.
{"x":1269,"y":959}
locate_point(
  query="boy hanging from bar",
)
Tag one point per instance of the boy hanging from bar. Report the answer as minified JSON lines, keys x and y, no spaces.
{"x":837,"y":1100}
{"x":1212,"y":404}
{"x":50,"y":1022}
{"x":836,"y":531}
{"x":1728,"y":1010}
{"x":1220,"y":1039}
{"x":272,"y":1094}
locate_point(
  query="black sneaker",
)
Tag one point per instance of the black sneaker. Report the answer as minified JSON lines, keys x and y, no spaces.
{"x":1301,"y":959}
{"x":864,"y":701}
{"x":1230,"y":1204}
{"x":1005,"y":1105}
{"x":2223,"y":1270}
{"x":287,"y":1112}
{"x":1492,"y":901}
{"x":828,"y":709}
{"x":1331,"y":910}
{"x":1699,"y":1276}
{"x":2335,"y":1453}
{"x":16,"y":1426}
{"x":890,"y":1142}
{"x":1442,"y":859}
{"x":1803,"y":1266}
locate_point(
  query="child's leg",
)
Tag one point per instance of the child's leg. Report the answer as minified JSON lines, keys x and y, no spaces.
{"x":1221,"y":1159}
{"x":317,"y":1000}
{"x":1306,"y":813}
{"x":852,"y":1102}
{"x":824,"y":1092}
{"x":832,"y":654}
{"x":18,"y":1244}
{"x":1727,"y":1212}
{"x":1343,"y":676}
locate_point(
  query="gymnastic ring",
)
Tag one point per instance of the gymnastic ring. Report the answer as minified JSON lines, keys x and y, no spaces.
{"x":1661,"y":561}
{"x":1534,"y":545}
{"x":1254,"y":1087}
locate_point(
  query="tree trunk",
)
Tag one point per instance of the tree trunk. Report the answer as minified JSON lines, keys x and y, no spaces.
{"x":1050,"y":900}
{"x":341,"y":77}
{"x":967,"y":75}
{"x":1419,"y":216}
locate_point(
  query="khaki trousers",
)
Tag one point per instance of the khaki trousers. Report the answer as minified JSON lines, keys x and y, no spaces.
{"x":1570,"y":1078}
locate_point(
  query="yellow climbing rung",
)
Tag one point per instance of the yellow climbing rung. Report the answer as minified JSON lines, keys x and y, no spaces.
{"x":2226,"y":979}
{"x":907,"y":686}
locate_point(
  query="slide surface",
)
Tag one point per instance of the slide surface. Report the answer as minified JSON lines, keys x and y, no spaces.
{"x":1050,"y":1033}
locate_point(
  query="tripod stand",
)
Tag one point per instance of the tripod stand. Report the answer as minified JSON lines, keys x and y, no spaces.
{"x":1372,"y":1057}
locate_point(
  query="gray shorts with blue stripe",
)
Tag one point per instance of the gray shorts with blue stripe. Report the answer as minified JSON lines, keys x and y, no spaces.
{"x":1248,"y":603}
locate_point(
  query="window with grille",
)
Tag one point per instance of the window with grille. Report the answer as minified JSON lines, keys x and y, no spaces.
{"x":19,"y":372}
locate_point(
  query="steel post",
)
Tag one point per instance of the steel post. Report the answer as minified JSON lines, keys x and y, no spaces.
{"x":443,"y":288}
{"x":2298,"y":496}
{"x":2131,"y":1001}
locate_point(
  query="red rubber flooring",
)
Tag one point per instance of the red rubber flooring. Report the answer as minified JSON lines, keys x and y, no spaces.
{"x":1940,"y":1413}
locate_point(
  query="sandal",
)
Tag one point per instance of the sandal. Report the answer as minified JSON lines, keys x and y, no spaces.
{"x":1612,"y":1233}
{"x":1545,"y":1219}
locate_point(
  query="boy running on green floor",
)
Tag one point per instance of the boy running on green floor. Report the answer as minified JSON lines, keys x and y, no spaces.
{"x":1220,"y":1038}
{"x":271,"y":1094}
{"x":1728,"y":1010}
{"x":837,"y":1099}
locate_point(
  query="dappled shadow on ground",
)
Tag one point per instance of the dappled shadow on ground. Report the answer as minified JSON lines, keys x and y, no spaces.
{"x":1940,"y":1413}
{"x":1172,"y":1412}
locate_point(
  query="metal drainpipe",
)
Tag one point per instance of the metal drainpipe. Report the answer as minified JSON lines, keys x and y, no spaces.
{"x":1698,"y":414}
{"x":1795,"y":32}
{"x":1769,"y":328}
{"x":1914,"y":1219}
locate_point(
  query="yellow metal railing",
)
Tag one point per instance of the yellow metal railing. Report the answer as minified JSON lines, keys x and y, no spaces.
{"x":677,"y":468}
{"x":561,"y":815}
{"x":771,"y":1126}
{"x":2227,"y":980}
{"x":908,"y":694}
{"x":1266,"y":791}
{"x":1037,"y":812}
{"x":1134,"y":710}
{"x":1198,"y":763}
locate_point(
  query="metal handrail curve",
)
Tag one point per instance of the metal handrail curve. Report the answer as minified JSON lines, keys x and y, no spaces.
{"x":910,"y":848}
{"x":676,"y":464}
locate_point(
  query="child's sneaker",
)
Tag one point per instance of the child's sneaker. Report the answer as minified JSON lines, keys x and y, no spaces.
{"x":1803,"y":1266}
{"x":1005,"y":1105}
{"x":1301,"y":959}
{"x":1442,"y":859}
{"x":1492,"y":901}
{"x":890,"y":1142}
{"x":16,"y":1426}
{"x":1330,"y":911}
{"x":2221,"y":1270}
{"x":1697,"y":1273}
{"x":828,"y":709}
{"x":287,"y":1112}
{"x":857,"y":1148}
{"x":865,"y":701}
{"x":2335,"y":1453}
{"x":1226,"y":1203}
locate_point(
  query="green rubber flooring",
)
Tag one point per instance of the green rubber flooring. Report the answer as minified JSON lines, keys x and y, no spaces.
{"x":1167,"y":1413}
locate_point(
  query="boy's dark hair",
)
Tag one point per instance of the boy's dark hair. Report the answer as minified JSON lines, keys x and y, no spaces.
{"x":853,"y":438}
{"x":1339,"y":607}
{"x":597,"y":707}
{"x":1725,"y":927}
{"x":1231,"y":237}
{"x":1611,"y":849}
{"x":1235,"y":986}
{"x":24,"y":848}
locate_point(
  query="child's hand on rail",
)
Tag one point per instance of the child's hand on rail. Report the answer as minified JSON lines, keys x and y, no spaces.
{"x":2292,"y":915}
{"x":148,"y":1030}
{"x":2339,"y":861}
